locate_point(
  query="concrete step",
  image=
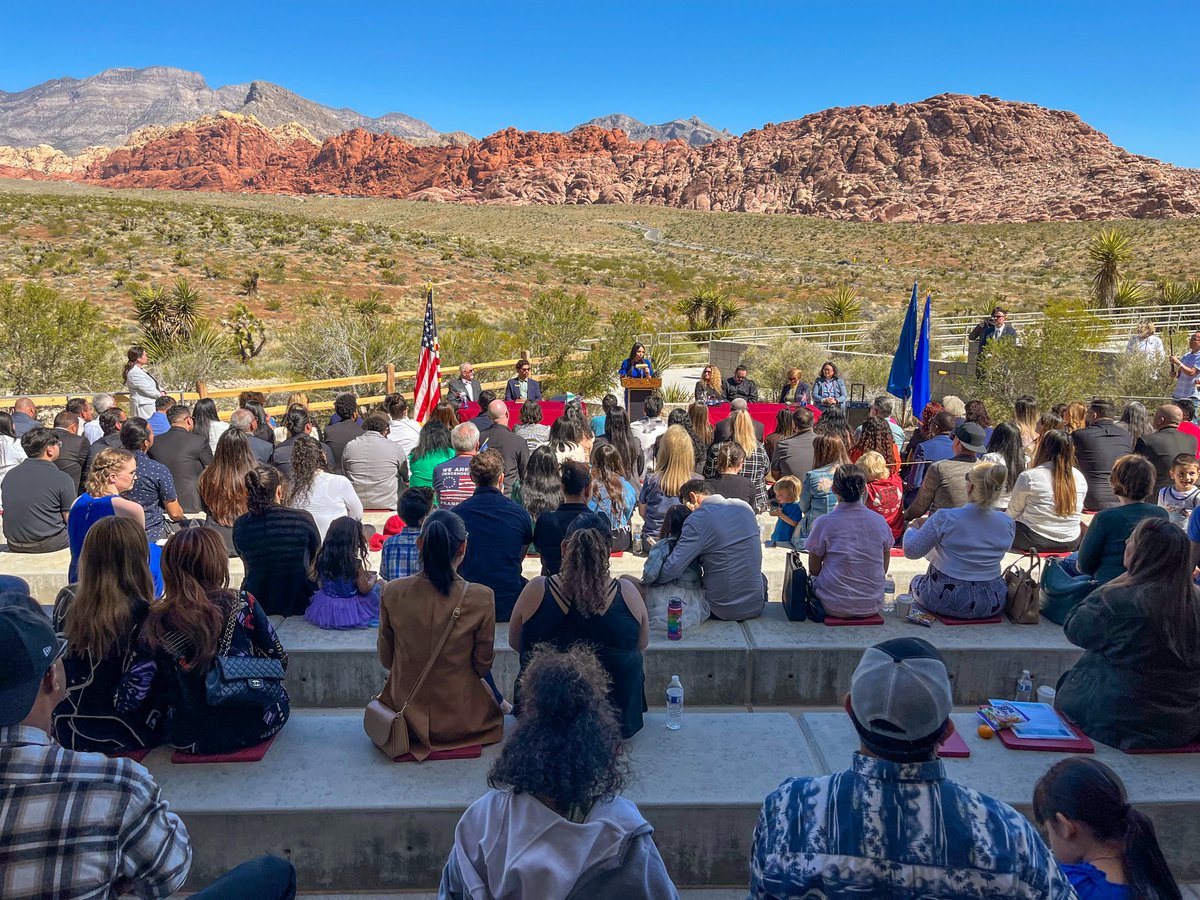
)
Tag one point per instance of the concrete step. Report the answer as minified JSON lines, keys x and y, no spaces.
{"x":353,"y":821}
{"x":763,"y":662}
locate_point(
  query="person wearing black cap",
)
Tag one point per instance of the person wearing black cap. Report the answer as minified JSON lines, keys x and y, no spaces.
{"x":945,"y":482}
{"x":78,"y":824}
{"x":894,"y":820}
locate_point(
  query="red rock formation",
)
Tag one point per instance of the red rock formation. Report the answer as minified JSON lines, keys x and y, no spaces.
{"x":947,"y":159}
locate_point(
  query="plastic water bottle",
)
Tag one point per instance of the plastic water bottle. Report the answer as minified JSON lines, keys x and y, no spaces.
{"x":1024,"y":687}
{"x":675,"y":704}
{"x":889,"y":595}
{"x":675,"y":619}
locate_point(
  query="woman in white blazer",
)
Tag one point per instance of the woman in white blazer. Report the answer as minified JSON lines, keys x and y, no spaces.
{"x":142,"y":386}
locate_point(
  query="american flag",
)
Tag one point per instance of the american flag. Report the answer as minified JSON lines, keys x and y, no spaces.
{"x":429,"y":373}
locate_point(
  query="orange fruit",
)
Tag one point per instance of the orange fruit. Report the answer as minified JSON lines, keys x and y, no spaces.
{"x":986,"y":732}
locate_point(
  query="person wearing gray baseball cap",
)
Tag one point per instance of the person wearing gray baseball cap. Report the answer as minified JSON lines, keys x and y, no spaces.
{"x":944,"y":485}
{"x":893,"y":824}
{"x":78,"y":824}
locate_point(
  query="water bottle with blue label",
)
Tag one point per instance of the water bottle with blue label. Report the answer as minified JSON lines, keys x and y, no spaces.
{"x":675,"y":704}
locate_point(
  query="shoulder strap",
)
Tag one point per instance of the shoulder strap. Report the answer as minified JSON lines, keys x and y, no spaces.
{"x":230,"y":624}
{"x":438,"y":649}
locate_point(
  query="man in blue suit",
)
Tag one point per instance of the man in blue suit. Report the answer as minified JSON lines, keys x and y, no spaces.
{"x":523,"y":387}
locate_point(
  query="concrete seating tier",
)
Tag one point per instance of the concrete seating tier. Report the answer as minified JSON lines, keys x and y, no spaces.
{"x":353,"y":821}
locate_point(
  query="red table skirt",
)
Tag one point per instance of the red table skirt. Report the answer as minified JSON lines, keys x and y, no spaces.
{"x":551,"y":410}
{"x":759,"y":412}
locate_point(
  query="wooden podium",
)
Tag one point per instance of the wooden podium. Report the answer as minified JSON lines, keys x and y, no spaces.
{"x":636,"y":392}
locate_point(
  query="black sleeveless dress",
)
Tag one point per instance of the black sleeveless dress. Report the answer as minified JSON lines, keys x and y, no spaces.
{"x":613,"y":636}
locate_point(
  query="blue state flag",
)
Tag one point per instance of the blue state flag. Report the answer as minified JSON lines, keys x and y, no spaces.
{"x":920,"y":382}
{"x":901,"y":376}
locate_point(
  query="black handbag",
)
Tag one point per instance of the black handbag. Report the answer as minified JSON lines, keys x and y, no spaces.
{"x":242,"y":681}
{"x":798,"y":600}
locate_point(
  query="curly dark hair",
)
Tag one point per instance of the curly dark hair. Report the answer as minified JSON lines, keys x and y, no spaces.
{"x":877,"y":435}
{"x":566,"y":748}
{"x":308,"y":458}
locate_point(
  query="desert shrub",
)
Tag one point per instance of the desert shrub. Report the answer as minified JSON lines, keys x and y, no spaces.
{"x":334,"y":339}
{"x":51,"y":343}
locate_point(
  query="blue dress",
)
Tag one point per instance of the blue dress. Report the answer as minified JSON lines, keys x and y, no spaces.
{"x":339,"y":605}
{"x":1090,"y":883}
{"x":626,"y":373}
{"x":85,"y":512}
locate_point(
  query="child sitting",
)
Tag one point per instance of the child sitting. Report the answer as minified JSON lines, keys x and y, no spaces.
{"x":349,"y":593}
{"x":400,"y":557}
{"x":786,"y":510}
{"x":1181,"y":497}
{"x":686,"y":587}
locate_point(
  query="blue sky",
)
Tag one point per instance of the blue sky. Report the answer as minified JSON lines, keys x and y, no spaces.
{"x":1129,"y":69}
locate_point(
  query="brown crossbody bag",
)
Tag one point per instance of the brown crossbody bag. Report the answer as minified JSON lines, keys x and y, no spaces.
{"x":385,"y":726}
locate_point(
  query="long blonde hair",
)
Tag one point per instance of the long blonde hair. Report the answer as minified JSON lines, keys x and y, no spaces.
{"x":107,"y":462}
{"x":714,"y":375}
{"x":114,"y":576}
{"x":676,"y":461}
{"x":743,"y":431}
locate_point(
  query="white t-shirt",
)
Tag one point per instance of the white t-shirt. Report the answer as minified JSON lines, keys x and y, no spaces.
{"x":1032,"y":503}
{"x":406,"y":433}
{"x":331,"y":496}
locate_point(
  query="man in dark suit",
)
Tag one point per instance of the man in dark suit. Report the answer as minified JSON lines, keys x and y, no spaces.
{"x":24,"y":416}
{"x":723,"y":430}
{"x":73,"y":449}
{"x":497,"y":436}
{"x":523,"y":387}
{"x":465,"y":388}
{"x":298,"y":422}
{"x":1097,"y":448}
{"x":740,"y":386}
{"x":111,"y":421}
{"x":794,"y":456}
{"x":483,"y":421}
{"x":346,"y":429}
{"x":185,"y":454}
{"x":244,"y":420}
{"x":1165,"y":444}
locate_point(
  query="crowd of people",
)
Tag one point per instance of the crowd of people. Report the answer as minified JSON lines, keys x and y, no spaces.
{"x":154,"y":506}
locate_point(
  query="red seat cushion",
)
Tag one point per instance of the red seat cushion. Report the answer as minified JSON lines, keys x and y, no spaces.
{"x":876,"y":619}
{"x":1055,"y":554}
{"x":135,"y":755}
{"x":246,"y":754}
{"x":950,"y":620}
{"x":954,"y":747}
{"x":472,"y":752}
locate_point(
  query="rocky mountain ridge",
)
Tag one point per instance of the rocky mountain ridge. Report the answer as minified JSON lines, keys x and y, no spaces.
{"x":692,"y":131}
{"x":951,"y":158}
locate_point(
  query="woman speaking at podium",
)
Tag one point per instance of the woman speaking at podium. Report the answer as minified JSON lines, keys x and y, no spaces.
{"x":637,"y":365}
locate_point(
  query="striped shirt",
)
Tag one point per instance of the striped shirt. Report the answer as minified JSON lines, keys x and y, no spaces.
{"x":452,"y":481}
{"x":903,"y":831}
{"x":75,"y":825}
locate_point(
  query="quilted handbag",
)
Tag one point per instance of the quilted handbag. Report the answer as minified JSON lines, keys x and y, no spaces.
{"x":242,"y":681}
{"x":1062,"y":592}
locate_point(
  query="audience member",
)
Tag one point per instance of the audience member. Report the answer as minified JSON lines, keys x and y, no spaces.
{"x":264,"y":425}
{"x":344,"y":427}
{"x":403,"y":430}
{"x":794,"y":456}
{"x":584,"y":604}
{"x":816,"y":490}
{"x":452,"y":479}
{"x":348,"y":592}
{"x":530,"y":428}
{"x":73,"y":449}
{"x":1181,"y":497}
{"x":723,"y":430}
{"x":874,"y":434}
{"x":243,"y":420}
{"x":944,"y":485}
{"x":937,"y":445}
{"x":1135,"y":420}
{"x":794,"y":391}
{"x":619,"y":434}
{"x":277,"y":545}
{"x":1165,"y":443}
{"x":829,"y":389}
{"x":710,"y":389}
{"x":728,"y":479}
{"x":36,"y":497}
{"x":89,"y":412}
{"x":607,"y":403}
{"x":1137,"y":685}
{"x":555,"y":787}
{"x":975,"y":411}
{"x":1097,"y":446}
{"x":688,"y":588}
{"x":785,"y":427}
{"x":899,"y":819}
{"x":786,"y":511}
{"x":541,"y":490}
{"x":965,"y":546}
{"x":400,"y":557}
{"x":660,"y":491}
{"x":884,"y":407}
{"x":649,"y":427}
{"x":323,"y":495}
{"x":1075,"y":417}
{"x":433,"y":448}
{"x":184,"y":453}
{"x":200,"y":620}
{"x":1047,"y":421}
{"x":466,"y":387}
{"x":613,"y":495}
{"x":550,"y":526}
{"x":924,"y":431}
{"x":24,"y":416}
{"x":141,"y":386}
{"x":453,"y":709}
{"x":955,"y":406}
{"x":222,"y":486}
{"x":11,"y":453}
{"x":701,"y":431}
{"x":885,"y":493}
{"x":756,"y":465}
{"x":1187,"y":424}
{"x":835,"y":422}
{"x":740,"y":386}
{"x":522,"y":387}
{"x":1102,"y":551}
{"x":297,"y":421}
{"x":1106,"y":848}
{"x":513,"y":448}
{"x":481,"y":421}
{"x":158,"y":422}
{"x":723,"y":534}
{"x":683,"y":418}
{"x":568,"y":439}
{"x":444,"y":413}
{"x":1047,"y":499}
{"x":1005,"y":447}
{"x":111,"y":475}
{"x":113,"y":701}
{"x":503,"y":532}
{"x":374,"y":465}
{"x":207,"y":423}
{"x":849,"y":550}
{"x":119,"y":836}
{"x":111,"y":422}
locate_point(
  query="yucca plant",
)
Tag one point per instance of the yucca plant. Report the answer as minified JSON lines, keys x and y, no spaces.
{"x":1172,"y":293}
{"x":1129,"y":292}
{"x":1109,"y":251}
{"x":708,"y":309}
{"x":843,"y":305}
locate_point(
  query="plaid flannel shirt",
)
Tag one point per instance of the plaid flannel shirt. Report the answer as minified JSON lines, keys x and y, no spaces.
{"x":400,"y":557}
{"x":76,"y":826}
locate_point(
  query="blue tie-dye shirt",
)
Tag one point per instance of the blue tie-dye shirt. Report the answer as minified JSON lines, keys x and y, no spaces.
{"x":903,"y":831}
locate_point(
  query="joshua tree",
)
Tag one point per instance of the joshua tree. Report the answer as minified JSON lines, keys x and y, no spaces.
{"x":1109,"y":251}
{"x":166,"y":318}
{"x":247,"y":330}
{"x":250,"y":283}
{"x":708,"y":309}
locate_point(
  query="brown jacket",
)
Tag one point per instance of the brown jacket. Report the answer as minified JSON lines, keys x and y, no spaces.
{"x":453,"y":708}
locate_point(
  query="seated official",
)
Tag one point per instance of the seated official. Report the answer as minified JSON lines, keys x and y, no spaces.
{"x":1137,"y":686}
{"x":584,"y":604}
{"x":637,"y":364}
{"x":739,"y":385}
{"x":849,"y":550}
{"x":965,"y":546}
{"x":557,"y":785}
{"x":829,"y":389}
{"x":794,"y":391}
{"x":1047,"y":499}
{"x":522,"y":387}
{"x":36,"y":497}
{"x":710,"y":389}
